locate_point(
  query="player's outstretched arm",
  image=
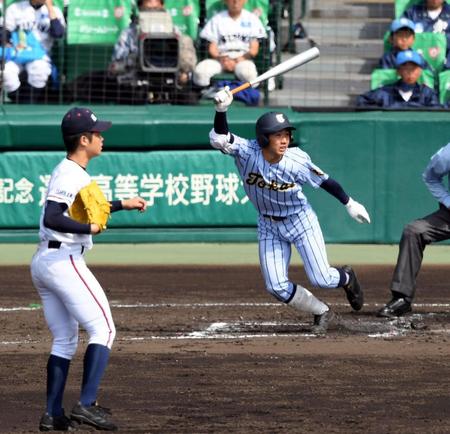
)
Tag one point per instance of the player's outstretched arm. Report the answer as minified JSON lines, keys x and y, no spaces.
{"x":135,"y":203}
{"x":355,"y":209}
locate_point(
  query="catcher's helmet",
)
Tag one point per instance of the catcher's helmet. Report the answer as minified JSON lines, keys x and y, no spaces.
{"x":270,"y":123}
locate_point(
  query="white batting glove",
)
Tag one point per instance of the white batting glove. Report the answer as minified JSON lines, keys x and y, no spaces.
{"x":357,"y":211}
{"x":223,"y":99}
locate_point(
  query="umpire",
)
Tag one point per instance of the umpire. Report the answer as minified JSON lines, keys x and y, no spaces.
{"x":417,"y":234}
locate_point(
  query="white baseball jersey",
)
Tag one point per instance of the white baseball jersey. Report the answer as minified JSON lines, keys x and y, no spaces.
{"x":23,"y":16}
{"x":233,"y":36}
{"x":67,"y":179}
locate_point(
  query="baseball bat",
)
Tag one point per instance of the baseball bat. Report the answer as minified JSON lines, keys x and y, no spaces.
{"x":282,"y":68}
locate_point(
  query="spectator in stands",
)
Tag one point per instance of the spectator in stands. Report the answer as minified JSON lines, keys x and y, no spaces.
{"x":432,"y":16}
{"x":406,"y":92}
{"x":232,"y":37}
{"x":401,"y":38}
{"x":31,"y":28}
{"x":125,"y":55}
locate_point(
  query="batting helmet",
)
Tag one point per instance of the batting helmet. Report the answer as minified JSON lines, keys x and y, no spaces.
{"x":269,"y":123}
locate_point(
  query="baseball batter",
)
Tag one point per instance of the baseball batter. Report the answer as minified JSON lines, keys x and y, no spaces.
{"x":273,"y":175}
{"x":46,"y":23}
{"x":70,"y":293}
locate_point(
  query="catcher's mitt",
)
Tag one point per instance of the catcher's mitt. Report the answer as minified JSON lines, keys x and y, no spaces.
{"x":91,"y":206}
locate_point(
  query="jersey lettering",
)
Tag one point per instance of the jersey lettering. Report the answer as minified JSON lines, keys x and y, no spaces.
{"x":258,"y":180}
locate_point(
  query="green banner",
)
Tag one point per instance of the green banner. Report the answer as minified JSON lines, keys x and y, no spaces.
{"x":97,"y":21}
{"x":183,"y":189}
{"x":185,"y":15}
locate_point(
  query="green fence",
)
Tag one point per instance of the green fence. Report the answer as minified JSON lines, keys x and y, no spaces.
{"x":194,"y":192}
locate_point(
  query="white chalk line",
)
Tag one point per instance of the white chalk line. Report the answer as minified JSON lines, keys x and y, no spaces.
{"x":222,"y":331}
{"x":208,"y":305}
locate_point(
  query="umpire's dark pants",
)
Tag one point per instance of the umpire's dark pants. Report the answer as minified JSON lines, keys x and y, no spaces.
{"x":416,"y":235}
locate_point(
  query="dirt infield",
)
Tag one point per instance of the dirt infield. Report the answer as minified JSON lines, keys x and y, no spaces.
{"x":207,"y":350}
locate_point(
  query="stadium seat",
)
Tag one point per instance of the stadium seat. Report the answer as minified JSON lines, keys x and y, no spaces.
{"x":444,"y":87}
{"x":432,"y":46}
{"x":87,"y":48}
{"x":185,"y":15}
{"x":381,"y":77}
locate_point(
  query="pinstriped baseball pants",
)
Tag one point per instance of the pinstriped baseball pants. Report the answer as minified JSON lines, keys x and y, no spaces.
{"x":275,"y":240}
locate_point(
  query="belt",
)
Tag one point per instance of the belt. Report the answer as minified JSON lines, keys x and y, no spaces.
{"x":52,"y":244}
{"x":274,"y":218}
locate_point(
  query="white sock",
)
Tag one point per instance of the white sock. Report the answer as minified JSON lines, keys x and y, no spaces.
{"x":305,"y":301}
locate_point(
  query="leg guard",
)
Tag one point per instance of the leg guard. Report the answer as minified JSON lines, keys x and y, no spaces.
{"x":305,"y":301}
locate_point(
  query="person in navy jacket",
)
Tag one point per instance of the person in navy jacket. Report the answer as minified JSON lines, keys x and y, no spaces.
{"x":401,"y":38}
{"x":431,"y":16}
{"x":406,"y":92}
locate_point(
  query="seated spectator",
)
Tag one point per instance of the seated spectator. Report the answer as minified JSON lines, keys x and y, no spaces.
{"x":431,"y":16}
{"x":31,"y":28}
{"x":406,"y":92}
{"x":401,"y":38}
{"x":232,"y":37}
{"x":125,"y":55}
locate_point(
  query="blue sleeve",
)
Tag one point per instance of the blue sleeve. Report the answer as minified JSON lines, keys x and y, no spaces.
{"x":373,"y":98}
{"x":116,"y":205}
{"x":56,"y":29}
{"x":55,"y":219}
{"x":220,"y":123}
{"x":438,"y":167}
{"x":432,"y":99}
{"x":387,"y":61}
{"x":335,"y":189}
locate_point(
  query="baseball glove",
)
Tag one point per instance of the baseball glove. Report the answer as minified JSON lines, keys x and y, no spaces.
{"x":91,"y":206}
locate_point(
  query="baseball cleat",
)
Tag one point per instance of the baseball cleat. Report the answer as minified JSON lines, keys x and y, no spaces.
{"x":93,"y":415}
{"x":56,"y":423}
{"x":353,"y":290}
{"x":396,"y":307}
{"x":323,"y":322}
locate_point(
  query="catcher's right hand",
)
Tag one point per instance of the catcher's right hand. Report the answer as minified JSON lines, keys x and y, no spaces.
{"x":223,"y":99}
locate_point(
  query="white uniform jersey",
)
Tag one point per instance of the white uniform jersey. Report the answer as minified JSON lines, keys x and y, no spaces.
{"x":22,"y":16}
{"x":67,"y":179}
{"x":275,"y":189}
{"x":233,"y":36}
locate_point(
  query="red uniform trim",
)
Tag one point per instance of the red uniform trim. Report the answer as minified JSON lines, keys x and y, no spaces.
{"x":93,"y":296}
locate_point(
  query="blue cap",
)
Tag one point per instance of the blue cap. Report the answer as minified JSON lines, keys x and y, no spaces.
{"x":82,"y":120}
{"x":409,"y":56}
{"x":402,"y":23}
